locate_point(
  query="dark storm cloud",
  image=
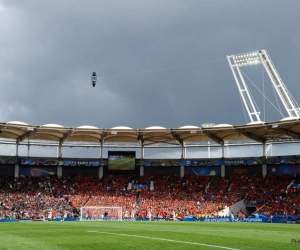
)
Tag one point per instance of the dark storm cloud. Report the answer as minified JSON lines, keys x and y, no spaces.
{"x":138,"y":49}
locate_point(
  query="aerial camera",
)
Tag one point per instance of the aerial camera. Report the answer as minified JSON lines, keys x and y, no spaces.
{"x":94,"y":79}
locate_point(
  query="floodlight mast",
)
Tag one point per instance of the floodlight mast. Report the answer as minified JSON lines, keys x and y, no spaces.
{"x":254,"y":58}
{"x":286,"y":97}
{"x":235,"y":62}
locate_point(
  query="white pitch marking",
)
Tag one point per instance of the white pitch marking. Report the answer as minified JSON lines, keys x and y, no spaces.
{"x":176,"y":241}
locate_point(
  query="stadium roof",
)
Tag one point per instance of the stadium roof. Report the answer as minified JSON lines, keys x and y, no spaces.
{"x":281,"y":131}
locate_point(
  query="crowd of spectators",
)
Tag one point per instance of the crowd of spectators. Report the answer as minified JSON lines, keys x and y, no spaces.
{"x":157,"y":196}
{"x":31,"y":198}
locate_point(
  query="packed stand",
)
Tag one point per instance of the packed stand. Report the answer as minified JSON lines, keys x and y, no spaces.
{"x":151,"y":196}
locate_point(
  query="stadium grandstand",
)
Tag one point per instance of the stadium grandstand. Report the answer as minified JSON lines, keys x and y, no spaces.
{"x":261,"y":188}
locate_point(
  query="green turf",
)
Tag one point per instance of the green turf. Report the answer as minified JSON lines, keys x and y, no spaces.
{"x":147,"y":235}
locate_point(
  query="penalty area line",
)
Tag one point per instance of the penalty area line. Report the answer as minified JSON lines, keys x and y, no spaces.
{"x":162,"y":239}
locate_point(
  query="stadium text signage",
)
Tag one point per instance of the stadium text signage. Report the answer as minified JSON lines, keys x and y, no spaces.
{"x":216,"y":220}
{"x":234,"y":162}
{"x":227,"y":219}
{"x":81,"y":163}
{"x":59,"y":162}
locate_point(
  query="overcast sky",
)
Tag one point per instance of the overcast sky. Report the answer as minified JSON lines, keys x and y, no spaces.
{"x":158,"y":62}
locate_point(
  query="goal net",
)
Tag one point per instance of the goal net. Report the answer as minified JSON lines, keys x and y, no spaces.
{"x":100,"y":213}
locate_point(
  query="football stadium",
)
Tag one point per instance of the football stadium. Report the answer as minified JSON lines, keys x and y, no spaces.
{"x":123,"y":200}
{"x":147,"y":125}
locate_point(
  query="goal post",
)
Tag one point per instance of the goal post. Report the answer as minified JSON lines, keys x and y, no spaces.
{"x":95,"y":213}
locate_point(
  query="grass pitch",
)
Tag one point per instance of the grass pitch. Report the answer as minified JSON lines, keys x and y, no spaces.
{"x":148,"y":235}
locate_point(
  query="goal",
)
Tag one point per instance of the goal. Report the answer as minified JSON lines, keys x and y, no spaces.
{"x":100,"y":213}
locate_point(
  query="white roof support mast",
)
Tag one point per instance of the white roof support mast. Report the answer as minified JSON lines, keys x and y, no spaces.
{"x":254,"y":58}
{"x":242,"y":60}
{"x":287,"y":99}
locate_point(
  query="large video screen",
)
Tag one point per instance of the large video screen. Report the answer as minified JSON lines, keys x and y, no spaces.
{"x":121,"y":160}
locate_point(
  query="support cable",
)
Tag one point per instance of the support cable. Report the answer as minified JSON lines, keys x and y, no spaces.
{"x":78,"y":33}
{"x":261,"y":92}
{"x":161,"y":69}
{"x":264,"y":99}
